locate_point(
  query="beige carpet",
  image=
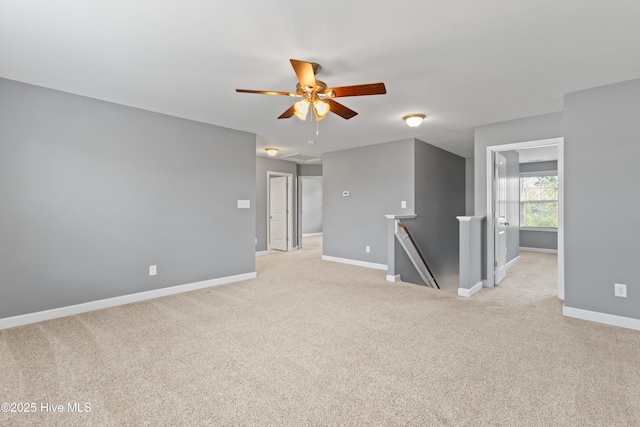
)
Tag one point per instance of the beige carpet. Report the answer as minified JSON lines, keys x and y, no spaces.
{"x":318,"y":343}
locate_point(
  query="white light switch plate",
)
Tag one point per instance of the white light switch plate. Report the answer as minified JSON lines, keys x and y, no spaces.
{"x":244,"y":204}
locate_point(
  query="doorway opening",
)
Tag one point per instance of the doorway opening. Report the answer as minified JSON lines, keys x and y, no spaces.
{"x":279,"y":211}
{"x":310,"y":197}
{"x":497,"y":209}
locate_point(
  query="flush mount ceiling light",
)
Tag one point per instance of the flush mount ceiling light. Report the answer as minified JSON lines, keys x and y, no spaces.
{"x":414,"y":120}
{"x":271,"y":151}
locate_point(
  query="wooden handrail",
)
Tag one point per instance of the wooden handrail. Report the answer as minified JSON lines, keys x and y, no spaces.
{"x":406,"y":230}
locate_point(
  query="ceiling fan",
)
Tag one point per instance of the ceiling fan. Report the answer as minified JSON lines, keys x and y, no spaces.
{"x":317,"y":96}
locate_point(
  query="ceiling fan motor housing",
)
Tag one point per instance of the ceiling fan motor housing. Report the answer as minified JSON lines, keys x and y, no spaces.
{"x":307,"y":92}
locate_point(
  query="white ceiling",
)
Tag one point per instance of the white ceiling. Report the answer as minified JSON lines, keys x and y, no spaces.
{"x":464,"y":63}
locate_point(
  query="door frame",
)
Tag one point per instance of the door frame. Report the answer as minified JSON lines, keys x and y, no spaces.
{"x":500,"y":268}
{"x":290,"y":185}
{"x":490,"y":230}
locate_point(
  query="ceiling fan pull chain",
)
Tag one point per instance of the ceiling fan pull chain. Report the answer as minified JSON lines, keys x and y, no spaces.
{"x":313,"y":115}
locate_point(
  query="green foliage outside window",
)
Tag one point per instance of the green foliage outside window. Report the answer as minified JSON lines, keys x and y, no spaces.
{"x":539,"y":201}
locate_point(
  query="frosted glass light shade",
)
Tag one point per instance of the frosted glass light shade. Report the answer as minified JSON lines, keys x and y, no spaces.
{"x":301,"y":109}
{"x":321,"y":107}
{"x":414,"y":120}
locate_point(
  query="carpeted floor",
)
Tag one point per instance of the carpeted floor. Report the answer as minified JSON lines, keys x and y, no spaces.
{"x":311,"y":342}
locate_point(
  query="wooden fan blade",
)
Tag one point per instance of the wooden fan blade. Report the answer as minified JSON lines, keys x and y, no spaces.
{"x":263,"y":92}
{"x":358,"y":90}
{"x":339,"y":109}
{"x":304,"y":71}
{"x":287,"y":113}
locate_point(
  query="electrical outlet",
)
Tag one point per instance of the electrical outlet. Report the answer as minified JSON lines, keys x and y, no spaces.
{"x":153,"y":270}
{"x":403,"y":204}
{"x":620,"y":290}
{"x":367,"y":249}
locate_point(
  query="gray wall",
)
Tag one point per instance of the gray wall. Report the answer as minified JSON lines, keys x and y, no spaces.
{"x":311,"y":205}
{"x":513,"y":204}
{"x":439,"y":199}
{"x":602,"y":146}
{"x":534,"y":128}
{"x":264,"y":165}
{"x":378,"y":178}
{"x":309,"y":170}
{"x":403,"y":265}
{"x":469,"y":183}
{"x":94,"y":192}
{"x":551,"y":165}
{"x":540,"y":239}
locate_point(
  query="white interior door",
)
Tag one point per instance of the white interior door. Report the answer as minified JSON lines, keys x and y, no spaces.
{"x":500,"y":217}
{"x":278,"y":227}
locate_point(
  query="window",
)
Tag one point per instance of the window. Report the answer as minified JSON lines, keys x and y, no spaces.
{"x":539,"y":200}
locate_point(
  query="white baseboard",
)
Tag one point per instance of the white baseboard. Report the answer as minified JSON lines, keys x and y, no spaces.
{"x":512,"y":262}
{"x":262,"y":253}
{"x":607,"y":319}
{"x":391,"y":278}
{"x":312,"y":234}
{"x":462,"y":292}
{"x":355,"y":262}
{"x":25,"y":319}
{"x":545,"y":251}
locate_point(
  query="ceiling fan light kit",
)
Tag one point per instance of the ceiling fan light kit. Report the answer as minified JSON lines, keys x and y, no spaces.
{"x":317,"y":96}
{"x":301,"y":108}
{"x":414,"y":120}
{"x":321,"y":109}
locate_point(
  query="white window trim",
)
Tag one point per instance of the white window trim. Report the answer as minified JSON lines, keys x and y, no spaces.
{"x":549,"y":229}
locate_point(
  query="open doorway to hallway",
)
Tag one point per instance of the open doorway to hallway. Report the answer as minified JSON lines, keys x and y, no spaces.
{"x":524,"y":192}
{"x":310,"y":202}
